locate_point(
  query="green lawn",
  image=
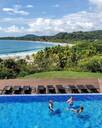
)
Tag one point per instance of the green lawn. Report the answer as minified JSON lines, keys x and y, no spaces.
{"x":63,"y":74}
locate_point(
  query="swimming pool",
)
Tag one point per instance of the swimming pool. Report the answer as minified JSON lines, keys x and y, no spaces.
{"x":32,"y":111}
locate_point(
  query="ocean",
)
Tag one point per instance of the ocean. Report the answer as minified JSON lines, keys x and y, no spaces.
{"x":15,"y":47}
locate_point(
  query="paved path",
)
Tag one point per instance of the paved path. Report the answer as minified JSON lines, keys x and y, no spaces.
{"x":100,"y":83}
{"x":35,"y":82}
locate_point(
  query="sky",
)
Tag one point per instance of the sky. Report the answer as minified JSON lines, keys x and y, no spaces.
{"x":48,"y":17}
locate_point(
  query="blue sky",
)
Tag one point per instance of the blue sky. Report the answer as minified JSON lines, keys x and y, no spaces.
{"x":48,"y":17}
{"x":45,"y":8}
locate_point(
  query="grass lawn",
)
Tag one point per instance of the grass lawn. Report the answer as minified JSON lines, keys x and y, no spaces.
{"x":63,"y":74}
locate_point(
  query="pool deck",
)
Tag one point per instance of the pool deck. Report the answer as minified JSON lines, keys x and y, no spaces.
{"x":65,"y":82}
{"x":100,"y":84}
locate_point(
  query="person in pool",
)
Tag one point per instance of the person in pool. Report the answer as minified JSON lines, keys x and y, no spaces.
{"x":70,"y":101}
{"x":79,"y":110}
{"x":51,"y":106}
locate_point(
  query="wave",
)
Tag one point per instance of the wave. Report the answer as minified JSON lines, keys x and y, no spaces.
{"x":7,"y":50}
{"x":21,"y":51}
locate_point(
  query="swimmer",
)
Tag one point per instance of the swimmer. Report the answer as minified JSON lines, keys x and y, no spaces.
{"x":51,"y":106}
{"x":81,"y":109}
{"x":70,"y":101}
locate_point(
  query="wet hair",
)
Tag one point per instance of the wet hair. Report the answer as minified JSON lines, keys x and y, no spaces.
{"x":51,"y":101}
{"x":82,"y":108}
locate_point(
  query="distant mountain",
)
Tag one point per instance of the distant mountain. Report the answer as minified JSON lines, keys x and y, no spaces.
{"x":29,"y":36}
{"x":80,"y":35}
{"x":61,"y":37}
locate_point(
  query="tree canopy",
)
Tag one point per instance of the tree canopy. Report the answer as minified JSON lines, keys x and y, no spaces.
{"x":84,"y":56}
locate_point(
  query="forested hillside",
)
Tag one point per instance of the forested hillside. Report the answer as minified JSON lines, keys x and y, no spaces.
{"x":62,"y":37}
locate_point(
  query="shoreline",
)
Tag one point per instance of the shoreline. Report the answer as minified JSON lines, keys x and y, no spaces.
{"x":22,"y":55}
{"x":44,"y":42}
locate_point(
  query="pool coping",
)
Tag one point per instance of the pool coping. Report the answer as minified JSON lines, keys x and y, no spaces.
{"x":70,"y":94}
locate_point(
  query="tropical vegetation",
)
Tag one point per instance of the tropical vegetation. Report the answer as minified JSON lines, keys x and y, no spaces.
{"x":84,"y":56}
{"x":62,"y":37}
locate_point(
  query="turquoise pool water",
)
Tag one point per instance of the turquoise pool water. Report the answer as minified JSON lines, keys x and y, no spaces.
{"x":33,"y":112}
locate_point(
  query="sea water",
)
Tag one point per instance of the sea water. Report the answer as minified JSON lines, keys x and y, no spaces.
{"x":15,"y":47}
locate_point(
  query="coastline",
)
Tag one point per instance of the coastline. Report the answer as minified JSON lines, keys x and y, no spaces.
{"x":45,"y":42}
{"x":19,"y":55}
{"x":22,"y":55}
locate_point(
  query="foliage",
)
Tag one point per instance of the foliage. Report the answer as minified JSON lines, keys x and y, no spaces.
{"x":62,"y":37}
{"x":93,"y":64}
{"x":84,"y":56}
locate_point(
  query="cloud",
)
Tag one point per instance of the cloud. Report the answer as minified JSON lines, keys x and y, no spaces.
{"x":12,"y":29}
{"x":79,"y":21}
{"x":97,"y":3}
{"x":8,"y":9}
{"x":15,"y":10}
{"x":0,"y":28}
{"x":56,"y":5}
{"x":29,"y":6}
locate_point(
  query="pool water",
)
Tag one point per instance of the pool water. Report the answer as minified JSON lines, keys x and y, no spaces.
{"x":35,"y":114}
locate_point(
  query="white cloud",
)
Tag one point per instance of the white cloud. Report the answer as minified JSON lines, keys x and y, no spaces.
{"x":13,"y":29}
{"x":7,"y":9}
{"x":79,"y":21}
{"x":15,"y":10}
{"x":0,"y":28}
{"x":97,"y":3}
{"x":29,"y":6}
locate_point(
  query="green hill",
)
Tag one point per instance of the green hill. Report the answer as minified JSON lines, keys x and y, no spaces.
{"x":62,"y":37}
